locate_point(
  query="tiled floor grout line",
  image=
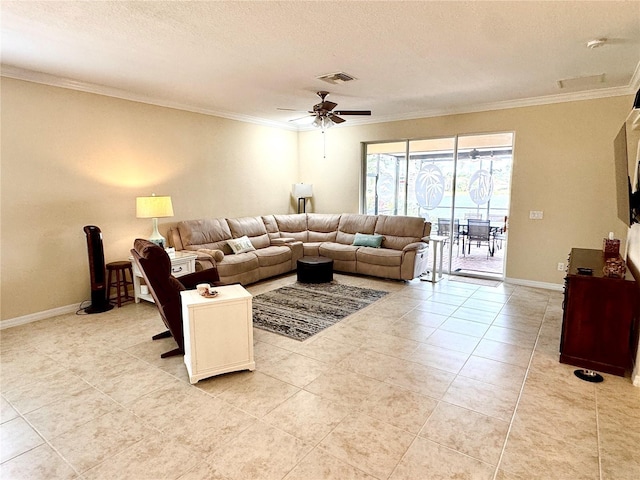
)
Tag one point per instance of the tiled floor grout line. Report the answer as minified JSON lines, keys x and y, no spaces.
{"x":598,"y":435}
{"x":513,"y":416}
{"x":45,"y":440}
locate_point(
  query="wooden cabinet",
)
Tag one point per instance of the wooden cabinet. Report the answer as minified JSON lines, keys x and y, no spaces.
{"x":600,"y":321}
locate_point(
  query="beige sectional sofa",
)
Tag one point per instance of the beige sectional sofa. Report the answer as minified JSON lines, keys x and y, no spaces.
{"x":280,"y":240}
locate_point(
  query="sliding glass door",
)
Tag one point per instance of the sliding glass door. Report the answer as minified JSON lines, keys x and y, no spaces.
{"x":455,"y":183}
{"x":385,"y":180}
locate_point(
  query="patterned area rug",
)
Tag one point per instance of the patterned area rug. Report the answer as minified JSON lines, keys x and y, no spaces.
{"x":301,"y":310}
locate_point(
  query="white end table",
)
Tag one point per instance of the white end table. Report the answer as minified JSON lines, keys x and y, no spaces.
{"x":218,"y":332}
{"x":181,"y":264}
{"x":437,"y":243}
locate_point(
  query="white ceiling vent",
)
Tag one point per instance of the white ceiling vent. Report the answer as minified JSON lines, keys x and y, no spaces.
{"x":336,"y":78}
{"x":582,"y":82}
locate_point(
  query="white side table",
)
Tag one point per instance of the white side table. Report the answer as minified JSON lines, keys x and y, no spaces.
{"x":218,"y":332}
{"x":181,"y":264}
{"x":437,"y":244}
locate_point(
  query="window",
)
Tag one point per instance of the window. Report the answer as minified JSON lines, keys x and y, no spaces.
{"x":447,"y":181}
{"x":420,"y":177}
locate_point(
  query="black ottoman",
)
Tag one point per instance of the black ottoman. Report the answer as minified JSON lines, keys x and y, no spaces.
{"x":315,"y":270}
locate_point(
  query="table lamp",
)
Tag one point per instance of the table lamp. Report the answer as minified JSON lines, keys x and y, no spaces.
{"x":302,"y":191}
{"x":154,"y":207}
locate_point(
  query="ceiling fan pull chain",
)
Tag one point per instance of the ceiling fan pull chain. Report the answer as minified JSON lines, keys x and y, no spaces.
{"x":324,"y":143}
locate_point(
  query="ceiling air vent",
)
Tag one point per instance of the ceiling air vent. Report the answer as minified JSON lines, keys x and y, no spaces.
{"x":336,"y":78}
{"x":582,"y":82}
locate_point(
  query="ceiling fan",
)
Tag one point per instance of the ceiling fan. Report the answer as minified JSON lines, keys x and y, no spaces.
{"x":324,"y":114}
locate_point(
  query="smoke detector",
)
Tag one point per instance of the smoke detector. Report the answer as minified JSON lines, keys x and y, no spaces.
{"x":336,"y":78}
{"x":591,"y":44}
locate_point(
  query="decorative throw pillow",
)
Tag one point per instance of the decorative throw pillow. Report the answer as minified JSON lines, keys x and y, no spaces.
{"x":241,"y":245}
{"x":217,"y":255}
{"x":364,"y":240}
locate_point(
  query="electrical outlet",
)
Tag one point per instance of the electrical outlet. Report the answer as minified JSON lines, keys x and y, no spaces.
{"x":560,"y":266}
{"x":535,"y":215}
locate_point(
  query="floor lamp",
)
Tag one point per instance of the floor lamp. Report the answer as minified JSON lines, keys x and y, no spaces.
{"x":302,"y":191}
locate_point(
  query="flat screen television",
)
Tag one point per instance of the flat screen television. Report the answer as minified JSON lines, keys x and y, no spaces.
{"x":625,"y":147}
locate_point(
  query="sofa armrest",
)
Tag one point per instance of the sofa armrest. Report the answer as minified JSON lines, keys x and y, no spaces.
{"x":282,"y":240}
{"x":207,"y":258}
{"x":415,"y":246}
{"x":208,"y":254}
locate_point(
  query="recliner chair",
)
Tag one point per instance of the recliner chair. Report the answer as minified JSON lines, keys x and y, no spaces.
{"x":155,"y":266}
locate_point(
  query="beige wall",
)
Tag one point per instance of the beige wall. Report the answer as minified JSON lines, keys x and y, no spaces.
{"x":71,"y":159}
{"x":563,"y":165}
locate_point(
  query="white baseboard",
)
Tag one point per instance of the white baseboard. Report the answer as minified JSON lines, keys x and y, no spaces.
{"x":530,"y":283}
{"x":34,"y":317}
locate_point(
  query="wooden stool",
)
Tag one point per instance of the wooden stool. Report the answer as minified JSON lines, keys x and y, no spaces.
{"x":121,"y":283}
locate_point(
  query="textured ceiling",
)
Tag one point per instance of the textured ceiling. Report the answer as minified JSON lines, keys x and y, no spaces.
{"x":245,"y":59}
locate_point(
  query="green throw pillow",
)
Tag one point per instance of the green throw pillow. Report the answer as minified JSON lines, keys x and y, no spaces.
{"x":364,"y":240}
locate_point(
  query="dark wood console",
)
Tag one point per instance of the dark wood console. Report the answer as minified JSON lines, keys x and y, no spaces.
{"x":600,"y":321}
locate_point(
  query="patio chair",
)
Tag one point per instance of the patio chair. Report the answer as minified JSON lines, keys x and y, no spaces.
{"x":479,"y":232}
{"x":444,"y":229}
{"x":499,"y":234}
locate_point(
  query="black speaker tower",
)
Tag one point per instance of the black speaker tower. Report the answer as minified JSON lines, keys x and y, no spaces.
{"x":97,"y":270}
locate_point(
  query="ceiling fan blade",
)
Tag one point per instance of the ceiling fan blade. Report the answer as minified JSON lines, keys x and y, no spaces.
{"x":326,"y":105}
{"x":353,"y":112}
{"x":335,"y":119}
{"x":290,"y":110}
{"x":296,"y":119}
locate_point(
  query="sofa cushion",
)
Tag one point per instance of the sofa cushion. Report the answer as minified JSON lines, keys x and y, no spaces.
{"x":211,"y":233}
{"x":233,"y":265}
{"x":311,"y":249}
{"x":352,"y":223}
{"x":365,"y":240}
{"x":379,"y":256}
{"x":322,"y":227}
{"x":338,"y":251}
{"x":271,"y":226}
{"x":241,"y":245}
{"x":273,"y":256}
{"x":400,"y":231}
{"x":252,"y":227}
{"x":293,"y":226}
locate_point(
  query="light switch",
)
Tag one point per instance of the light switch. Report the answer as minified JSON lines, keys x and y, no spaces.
{"x":535,"y":214}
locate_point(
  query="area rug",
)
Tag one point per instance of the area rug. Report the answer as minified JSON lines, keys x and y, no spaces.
{"x":301,"y":310}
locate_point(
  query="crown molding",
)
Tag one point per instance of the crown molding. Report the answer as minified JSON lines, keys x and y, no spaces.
{"x":56,"y":81}
{"x":62,"y":82}
{"x":520,"y":103}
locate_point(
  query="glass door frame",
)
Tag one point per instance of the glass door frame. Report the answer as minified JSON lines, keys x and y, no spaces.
{"x":454,"y":179}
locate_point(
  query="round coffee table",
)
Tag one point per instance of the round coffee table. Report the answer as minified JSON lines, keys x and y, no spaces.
{"x":315,"y":270}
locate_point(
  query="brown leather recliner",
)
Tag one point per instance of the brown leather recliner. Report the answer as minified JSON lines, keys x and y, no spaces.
{"x":155,"y":266}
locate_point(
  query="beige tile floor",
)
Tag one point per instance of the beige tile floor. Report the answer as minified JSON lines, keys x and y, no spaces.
{"x":453,"y":380}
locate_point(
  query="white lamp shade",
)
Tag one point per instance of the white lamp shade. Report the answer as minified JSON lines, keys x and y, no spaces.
{"x":154,"y":207}
{"x":302,"y":190}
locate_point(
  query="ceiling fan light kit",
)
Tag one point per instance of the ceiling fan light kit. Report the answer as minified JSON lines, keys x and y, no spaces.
{"x":324,"y":114}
